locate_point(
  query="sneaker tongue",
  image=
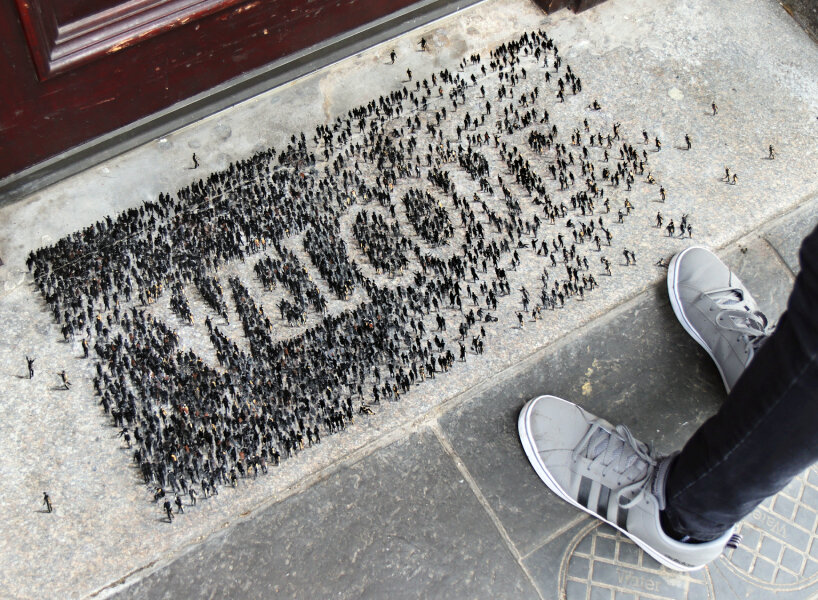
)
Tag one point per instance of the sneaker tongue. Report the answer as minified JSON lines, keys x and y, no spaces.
{"x":598,"y":443}
{"x":602,"y":441}
{"x":729,"y":297}
{"x":745,"y":318}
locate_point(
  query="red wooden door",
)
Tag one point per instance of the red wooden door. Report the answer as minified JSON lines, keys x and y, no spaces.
{"x":74,"y":70}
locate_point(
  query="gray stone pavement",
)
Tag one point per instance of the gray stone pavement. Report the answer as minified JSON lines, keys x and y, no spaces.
{"x":654,"y":65}
{"x":455,"y":510}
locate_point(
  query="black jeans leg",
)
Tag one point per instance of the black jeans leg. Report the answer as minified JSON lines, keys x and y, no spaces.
{"x":766,"y":432}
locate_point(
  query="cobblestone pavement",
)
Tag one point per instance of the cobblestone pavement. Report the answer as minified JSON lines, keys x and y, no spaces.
{"x":431,"y":496}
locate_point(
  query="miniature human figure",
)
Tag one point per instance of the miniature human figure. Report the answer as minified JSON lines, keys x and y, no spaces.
{"x":192,"y":493}
{"x":195,"y":161}
{"x":393,"y":56}
{"x":179,"y":507}
{"x":30,"y":362}
{"x":715,"y":109}
{"x":772,"y":152}
{"x":65,"y":383}
{"x":735,"y":179}
{"x":423,"y":44}
{"x":84,"y":347}
{"x":683,"y":508}
{"x":126,"y":436}
{"x":409,"y":74}
{"x":47,"y":502}
{"x":687,"y":141}
{"x":168,"y":510}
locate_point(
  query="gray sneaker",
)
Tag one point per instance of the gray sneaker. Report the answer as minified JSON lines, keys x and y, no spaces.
{"x":716,"y":309}
{"x":604,"y":471}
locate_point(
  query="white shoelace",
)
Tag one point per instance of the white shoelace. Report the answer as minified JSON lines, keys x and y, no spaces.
{"x":738,"y":317}
{"x":620,"y":452}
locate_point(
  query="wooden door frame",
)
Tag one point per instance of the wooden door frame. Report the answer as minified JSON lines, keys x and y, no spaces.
{"x":99,"y":149}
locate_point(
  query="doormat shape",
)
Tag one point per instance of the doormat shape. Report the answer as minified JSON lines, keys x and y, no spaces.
{"x":264,"y":307}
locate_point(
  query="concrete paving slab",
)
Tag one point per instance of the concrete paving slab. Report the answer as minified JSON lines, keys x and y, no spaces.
{"x":653,"y":66}
{"x":767,"y":277}
{"x":401,"y":523}
{"x":786,"y":236}
{"x":545,"y":564}
{"x":636,"y":366}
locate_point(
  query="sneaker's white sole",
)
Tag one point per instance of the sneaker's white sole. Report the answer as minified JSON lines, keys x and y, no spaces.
{"x":542,"y":472}
{"x":673,"y":294}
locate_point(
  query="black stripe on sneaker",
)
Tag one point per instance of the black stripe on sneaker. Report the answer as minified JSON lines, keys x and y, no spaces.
{"x":622,"y":518}
{"x":602,"y":503}
{"x":584,"y":491}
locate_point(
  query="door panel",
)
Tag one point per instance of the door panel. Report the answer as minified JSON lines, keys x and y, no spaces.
{"x":60,"y":40}
{"x":72,"y":71}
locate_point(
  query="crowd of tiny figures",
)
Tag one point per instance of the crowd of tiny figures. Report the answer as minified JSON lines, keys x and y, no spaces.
{"x":479,"y":190}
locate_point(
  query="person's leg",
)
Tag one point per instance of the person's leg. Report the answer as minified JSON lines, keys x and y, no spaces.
{"x":765,"y":434}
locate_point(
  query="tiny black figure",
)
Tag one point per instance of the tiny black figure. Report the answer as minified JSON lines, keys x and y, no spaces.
{"x":65,"y":383}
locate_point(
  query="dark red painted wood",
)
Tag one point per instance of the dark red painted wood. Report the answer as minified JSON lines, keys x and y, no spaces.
{"x":40,"y":118}
{"x":59,"y":44}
